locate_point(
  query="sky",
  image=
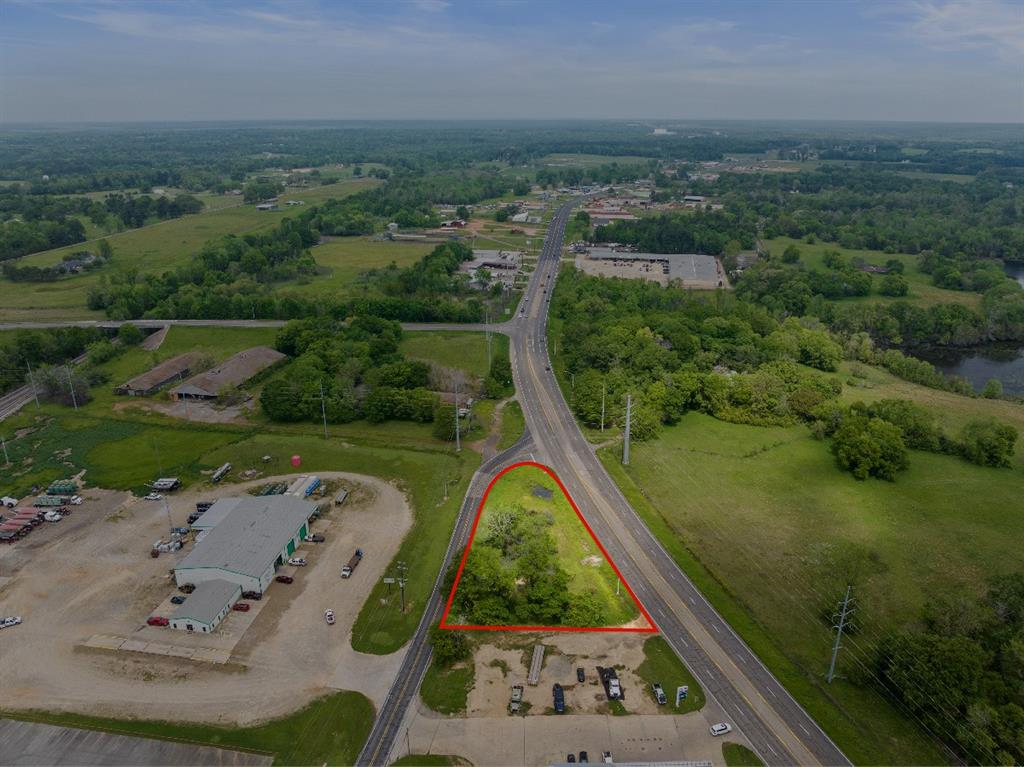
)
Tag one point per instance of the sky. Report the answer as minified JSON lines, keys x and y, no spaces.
{"x":106,"y":60}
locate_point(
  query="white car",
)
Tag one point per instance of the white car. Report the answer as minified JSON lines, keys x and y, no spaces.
{"x":329,"y":617}
{"x":720,"y":729}
{"x":154,"y":497}
{"x":76,"y":500}
{"x":52,"y":516}
{"x":297,"y":561}
{"x":14,"y":620}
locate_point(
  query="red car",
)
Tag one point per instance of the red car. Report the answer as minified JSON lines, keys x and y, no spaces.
{"x":242,"y":607}
{"x":157,"y":620}
{"x":284,"y":579}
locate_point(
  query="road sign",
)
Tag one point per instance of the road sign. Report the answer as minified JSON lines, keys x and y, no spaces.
{"x":681,"y":693}
{"x":389,"y":580}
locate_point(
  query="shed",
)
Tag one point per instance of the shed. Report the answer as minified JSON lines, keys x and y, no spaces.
{"x":205,"y":608}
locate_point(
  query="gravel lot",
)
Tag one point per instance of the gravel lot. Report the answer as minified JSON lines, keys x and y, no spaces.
{"x":92,"y":574}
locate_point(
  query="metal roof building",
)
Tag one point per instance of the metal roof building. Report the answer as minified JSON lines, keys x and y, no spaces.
{"x":249,"y":538}
{"x":167,"y":371}
{"x":233,"y":371}
{"x":205,"y":608}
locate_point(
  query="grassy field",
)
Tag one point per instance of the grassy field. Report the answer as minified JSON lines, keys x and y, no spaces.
{"x":342,"y":260}
{"x":447,"y":690}
{"x":331,"y":730}
{"x":429,"y":760}
{"x":921,"y":289}
{"x":578,"y":555}
{"x":661,"y":665}
{"x":155,"y":248}
{"x":513,"y":424}
{"x":738,"y":755}
{"x":782,"y":531}
{"x":458,"y":349}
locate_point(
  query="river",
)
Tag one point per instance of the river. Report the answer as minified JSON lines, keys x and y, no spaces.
{"x":1015,"y":270}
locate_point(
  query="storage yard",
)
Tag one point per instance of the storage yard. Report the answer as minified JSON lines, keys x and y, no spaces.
{"x":85,"y":588}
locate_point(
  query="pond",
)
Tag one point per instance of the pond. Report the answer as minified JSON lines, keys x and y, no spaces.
{"x":1016,"y":270}
{"x":978,"y":364}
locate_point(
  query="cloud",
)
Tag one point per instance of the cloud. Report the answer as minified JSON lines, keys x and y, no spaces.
{"x":959,"y":25}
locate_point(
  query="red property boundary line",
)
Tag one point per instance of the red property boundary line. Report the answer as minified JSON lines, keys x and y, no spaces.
{"x":652,"y":629}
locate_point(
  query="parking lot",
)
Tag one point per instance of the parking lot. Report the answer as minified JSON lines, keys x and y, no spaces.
{"x":97,"y":578}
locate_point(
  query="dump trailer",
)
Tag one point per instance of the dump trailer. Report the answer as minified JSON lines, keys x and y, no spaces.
{"x":346,"y":571}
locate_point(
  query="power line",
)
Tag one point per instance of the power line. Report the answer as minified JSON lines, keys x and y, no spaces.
{"x":845,"y":611}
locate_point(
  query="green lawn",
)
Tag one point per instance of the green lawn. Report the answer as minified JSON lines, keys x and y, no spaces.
{"x":513,"y":424}
{"x":446,"y":690}
{"x":155,"y":248}
{"x":578,"y":554}
{"x":921,"y":289}
{"x":663,"y":666}
{"x":738,"y":755}
{"x":457,"y":349}
{"x":342,"y":260}
{"x":330,"y":730}
{"x":781,"y":532}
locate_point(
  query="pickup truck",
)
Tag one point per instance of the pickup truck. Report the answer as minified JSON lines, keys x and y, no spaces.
{"x":517,"y":698}
{"x":346,"y":571}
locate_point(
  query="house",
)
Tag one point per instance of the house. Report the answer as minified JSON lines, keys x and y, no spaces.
{"x":232,"y":372}
{"x":455,"y":223}
{"x":267,"y":206}
{"x":176,"y":368}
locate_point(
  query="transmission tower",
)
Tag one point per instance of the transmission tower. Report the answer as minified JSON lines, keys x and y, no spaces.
{"x":842,"y":617}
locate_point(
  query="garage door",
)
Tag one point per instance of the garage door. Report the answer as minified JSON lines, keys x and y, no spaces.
{"x":304,"y":531}
{"x":291,"y":547}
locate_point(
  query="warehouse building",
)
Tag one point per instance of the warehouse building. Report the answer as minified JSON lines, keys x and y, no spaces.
{"x":232,"y":372}
{"x":176,"y":368}
{"x":246,"y":539}
{"x":206,"y":607}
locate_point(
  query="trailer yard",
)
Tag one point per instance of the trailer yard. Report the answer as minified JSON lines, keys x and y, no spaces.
{"x":85,"y":588}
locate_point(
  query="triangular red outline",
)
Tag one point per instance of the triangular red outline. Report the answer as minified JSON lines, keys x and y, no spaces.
{"x":469,"y":544}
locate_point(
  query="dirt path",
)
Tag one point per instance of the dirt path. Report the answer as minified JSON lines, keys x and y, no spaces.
{"x":97,"y":577}
{"x":488,"y":446}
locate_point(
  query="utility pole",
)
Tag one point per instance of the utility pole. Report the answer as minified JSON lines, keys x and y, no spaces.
{"x":32,"y":383}
{"x":71,"y":384}
{"x":458,"y":434}
{"x":7,"y":459}
{"x":604,"y":390}
{"x":323,"y":407}
{"x":629,"y":416}
{"x":487,"y":326}
{"x":845,"y":611}
{"x":401,"y":582}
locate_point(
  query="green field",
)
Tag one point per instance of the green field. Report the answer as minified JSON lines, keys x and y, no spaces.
{"x":663,"y":666}
{"x":577,"y":553}
{"x":331,"y":730}
{"x":154,"y":248}
{"x":341,"y":261}
{"x":446,"y":690}
{"x":738,"y":755}
{"x":513,"y":424}
{"x":921,"y":289}
{"x":781,"y":532}
{"x":458,"y":349}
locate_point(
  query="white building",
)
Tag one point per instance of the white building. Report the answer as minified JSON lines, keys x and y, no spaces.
{"x":204,"y":609}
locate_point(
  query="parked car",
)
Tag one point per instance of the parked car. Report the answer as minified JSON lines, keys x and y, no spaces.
{"x":241,"y":607}
{"x":257,"y":595}
{"x":297,"y":562}
{"x":284,"y":579}
{"x":177,"y":600}
{"x":187,"y":588}
{"x":584,"y":759}
{"x":192,"y":517}
{"x":76,"y":500}
{"x":559,"y":695}
{"x":157,"y":620}
{"x":581,"y":675}
{"x":315,"y":538}
{"x":659,"y":694}
{"x":11,"y":620}
{"x":53,"y":516}
{"x":720,"y":729}
{"x":154,"y":497}
{"x":570,"y":759}
{"x":606,"y":757}
{"x":329,"y":617}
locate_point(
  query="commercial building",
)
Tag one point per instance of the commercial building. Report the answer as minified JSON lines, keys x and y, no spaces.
{"x":245,"y":539}
{"x":232,"y":372}
{"x":690,"y":269}
{"x":176,"y":368}
{"x":503,"y":265}
{"x":205,"y":608}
